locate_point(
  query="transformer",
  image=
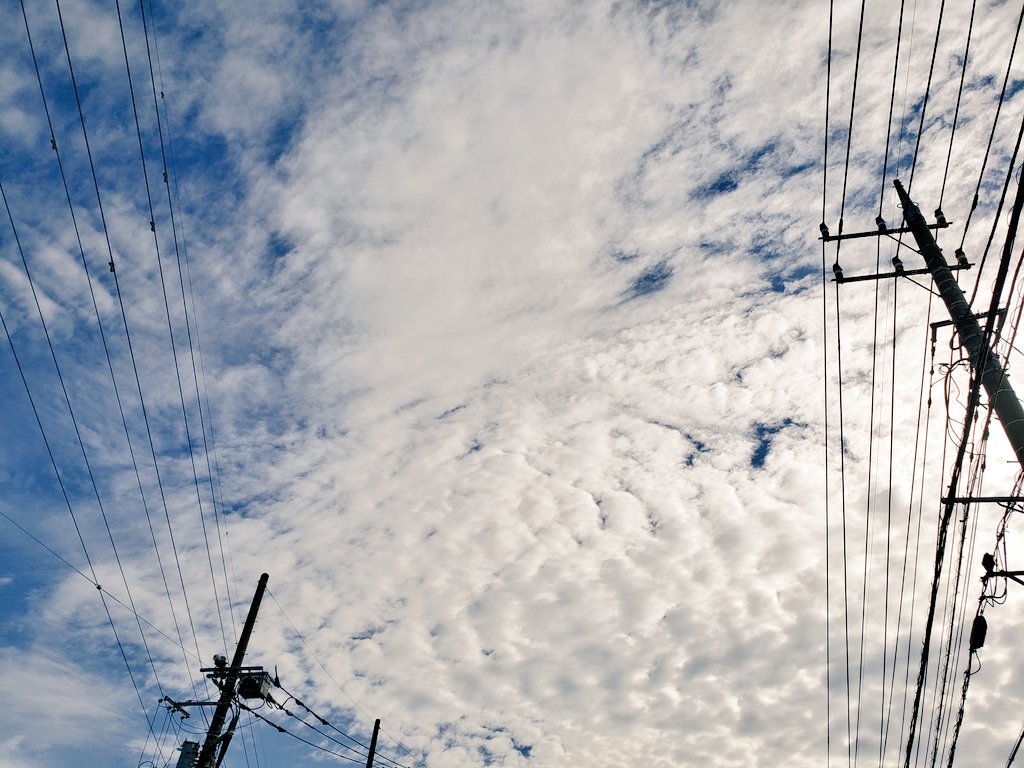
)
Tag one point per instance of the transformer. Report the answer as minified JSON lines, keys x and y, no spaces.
{"x":254,"y":685}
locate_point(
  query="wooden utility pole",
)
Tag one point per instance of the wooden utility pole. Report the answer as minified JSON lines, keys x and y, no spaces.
{"x":1002,"y":399}
{"x":229,"y":683}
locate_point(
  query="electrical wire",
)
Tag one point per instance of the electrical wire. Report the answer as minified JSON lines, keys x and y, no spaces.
{"x":871,"y":461}
{"x":888,"y":527}
{"x":923,"y":451}
{"x":120,"y":298}
{"x":825,"y":403}
{"x":92,"y":294}
{"x":157,"y":741}
{"x":939,"y":724}
{"x":927,"y":93}
{"x":940,"y":550}
{"x":982,"y":600}
{"x":362,"y":755}
{"x":188,"y":274}
{"x":999,"y":209}
{"x":293,"y":697}
{"x":906,"y":90}
{"x":184,"y":304}
{"x":988,"y":147}
{"x":978,"y":365}
{"x":959,"y":95}
{"x":892,"y":103}
{"x":281,"y":729}
{"x":85,"y":576}
{"x":170,"y":326}
{"x":952,"y":616}
{"x":78,"y":434}
{"x":843,"y":516}
{"x":74,"y":519}
{"x":323,"y":721}
{"x":849,"y":134}
{"x":336,"y":683}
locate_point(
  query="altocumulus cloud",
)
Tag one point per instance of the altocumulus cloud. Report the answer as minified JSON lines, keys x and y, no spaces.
{"x":511,"y":351}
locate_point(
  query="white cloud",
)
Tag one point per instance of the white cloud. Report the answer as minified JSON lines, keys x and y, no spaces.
{"x":503,"y":307}
{"x":43,"y":689}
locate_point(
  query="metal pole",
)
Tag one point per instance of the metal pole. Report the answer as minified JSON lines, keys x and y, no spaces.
{"x":227,"y":691}
{"x":1001,"y":397}
{"x":373,"y":744}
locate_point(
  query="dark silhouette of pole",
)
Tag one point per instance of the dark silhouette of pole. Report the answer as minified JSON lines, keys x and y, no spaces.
{"x":373,"y":744}
{"x":227,"y":689}
{"x":1001,"y":397}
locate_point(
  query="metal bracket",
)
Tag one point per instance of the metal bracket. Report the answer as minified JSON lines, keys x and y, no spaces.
{"x":897,"y":273}
{"x":983,"y":499}
{"x":1015,"y":575}
{"x":879,"y":232}
{"x":179,"y":706}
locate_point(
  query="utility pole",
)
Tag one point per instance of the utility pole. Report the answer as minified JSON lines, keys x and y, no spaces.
{"x":1002,"y":399}
{"x":227,"y":686}
{"x":373,"y":743}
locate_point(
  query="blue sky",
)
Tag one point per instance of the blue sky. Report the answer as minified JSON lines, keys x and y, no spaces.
{"x":505,"y":324}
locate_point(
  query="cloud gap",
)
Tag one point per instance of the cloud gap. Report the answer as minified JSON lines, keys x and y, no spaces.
{"x":651,"y":280}
{"x":764,"y":434}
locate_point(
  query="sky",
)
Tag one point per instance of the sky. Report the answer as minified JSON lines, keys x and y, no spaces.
{"x":491,"y":331}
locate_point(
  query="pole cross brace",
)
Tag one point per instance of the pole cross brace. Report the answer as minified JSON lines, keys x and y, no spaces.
{"x":880,"y":232}
{"x":983,"y":500}
{"x":1015,"y":575}
{"x":224,"y":671}
{"x":897,"y":273}
{"x":178,"y":706}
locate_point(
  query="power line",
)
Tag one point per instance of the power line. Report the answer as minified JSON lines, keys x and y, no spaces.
{"x":988,"y":148}
{"x":294,"y":698}
{"x":927,"y":92}
{"x":170,"y":324}
{"x":888,"y":528}
{"x":188,"y":274}
{"x":288,"y":712}
{"x":99,"y":323}
{"x":336,"y":683}
{"x":892,"y":104}
{"x":120,"y":298}
{"x":74,"y":519}
{"x":959,"y":94}
{"x":323,"y":721}
{"x":281,"y":729}
{"x":949,"y":505}
{"x":184,"y":303}
{"x":825,"y":405}
{"x":906,"y":543}
{"x":78,"y":433}
{"x":842,"y":486}
{"x":85,"y":576}
{"x":849,"y":134}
